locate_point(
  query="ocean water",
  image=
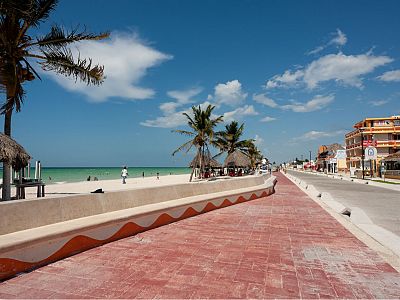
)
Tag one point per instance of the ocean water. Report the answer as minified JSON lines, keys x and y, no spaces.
{"x":62,"y":175}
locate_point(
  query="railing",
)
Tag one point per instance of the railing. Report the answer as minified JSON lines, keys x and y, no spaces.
{"x":378,"y":129}
{"x":389,"y":143}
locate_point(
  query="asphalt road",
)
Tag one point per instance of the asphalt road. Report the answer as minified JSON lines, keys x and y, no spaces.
{"x":381,"y":205}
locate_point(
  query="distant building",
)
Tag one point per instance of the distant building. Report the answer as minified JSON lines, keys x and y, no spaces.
{"x":382,"y":133}
{"x":331,"y":158}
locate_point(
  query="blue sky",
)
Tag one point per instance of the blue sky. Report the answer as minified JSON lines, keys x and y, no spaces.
{"x":297,"y":73}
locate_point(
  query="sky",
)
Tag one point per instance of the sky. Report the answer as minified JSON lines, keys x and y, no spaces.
{"x":298,"y":74}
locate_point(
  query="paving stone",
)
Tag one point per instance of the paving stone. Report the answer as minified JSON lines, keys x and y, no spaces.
{"x":284,"y":246}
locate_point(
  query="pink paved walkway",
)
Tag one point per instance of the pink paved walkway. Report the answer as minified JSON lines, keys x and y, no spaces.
{"x":282,"y":246}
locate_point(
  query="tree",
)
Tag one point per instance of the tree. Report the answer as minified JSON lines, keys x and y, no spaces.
{"x":18,"y":48}
{"x":229,"y":140}
{"x":254,"y":153}
{"x":202,"y":134}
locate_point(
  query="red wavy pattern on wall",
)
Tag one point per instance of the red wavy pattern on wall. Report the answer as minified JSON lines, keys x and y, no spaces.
{"x":10,"y":267}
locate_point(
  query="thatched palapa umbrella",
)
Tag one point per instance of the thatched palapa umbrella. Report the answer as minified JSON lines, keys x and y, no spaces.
{"x":207,"y":161}
{"x":13,"y":153}
{"x":237,"y":159}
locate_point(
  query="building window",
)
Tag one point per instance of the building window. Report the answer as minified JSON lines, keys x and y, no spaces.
{"x":382,"y":123}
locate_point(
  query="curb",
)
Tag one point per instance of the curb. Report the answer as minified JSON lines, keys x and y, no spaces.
{"x":354,"y":219}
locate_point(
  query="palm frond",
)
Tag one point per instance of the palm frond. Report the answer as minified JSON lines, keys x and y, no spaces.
{"x":21,"y":9}
{"x":41,"y":11}
{"x":184,"y":132}
{"x":14,"y":101}
{"x":58,"y":37}
{"x":62,"y":61}
{"x":186,"y":146}
{"x":30,"y":68}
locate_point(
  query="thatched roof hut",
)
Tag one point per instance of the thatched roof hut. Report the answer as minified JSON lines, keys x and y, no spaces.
{"x":237,"y":159}
{"x":13,"y":153}
{"x":208,"y":161}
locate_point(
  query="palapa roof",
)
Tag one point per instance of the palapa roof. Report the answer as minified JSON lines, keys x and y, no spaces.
{"x":393,"y":157}
{"x":208,"y":161}
{"x":13,"y":153}
{"x":237,"y":159}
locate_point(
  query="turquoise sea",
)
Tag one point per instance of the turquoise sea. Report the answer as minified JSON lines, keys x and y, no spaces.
{"x":70,"y":174}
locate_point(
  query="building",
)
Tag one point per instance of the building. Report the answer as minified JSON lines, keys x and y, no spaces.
{"x":381,"y":133}
{"x":331,"y":158}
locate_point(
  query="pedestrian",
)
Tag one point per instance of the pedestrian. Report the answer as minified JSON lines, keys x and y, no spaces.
{"x":124,"y":174}
{"x":158,"y":175}
{"x":143,"y":174}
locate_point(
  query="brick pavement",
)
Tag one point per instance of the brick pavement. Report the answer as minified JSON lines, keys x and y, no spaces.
{"x":281,"y":246}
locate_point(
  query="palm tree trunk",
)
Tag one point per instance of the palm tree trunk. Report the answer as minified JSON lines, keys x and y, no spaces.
{"x":6,"y":190}
{"x":194,"y":167}
{"x":201,"y":161}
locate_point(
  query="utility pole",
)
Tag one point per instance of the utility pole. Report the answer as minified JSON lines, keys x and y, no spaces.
{"x":362,"y":152}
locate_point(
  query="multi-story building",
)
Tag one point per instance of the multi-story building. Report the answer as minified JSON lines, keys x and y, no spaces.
{"x":331,"y":158}
{"x":382,"y":133}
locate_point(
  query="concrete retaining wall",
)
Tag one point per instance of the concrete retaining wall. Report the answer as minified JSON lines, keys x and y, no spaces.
{"x":25,"y":214}
{"x":95,"y":219}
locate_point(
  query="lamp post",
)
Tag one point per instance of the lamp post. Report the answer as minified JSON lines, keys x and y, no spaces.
{"x":362,"y":152}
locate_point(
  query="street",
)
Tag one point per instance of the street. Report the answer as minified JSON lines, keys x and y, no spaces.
{"x":381,"y":205}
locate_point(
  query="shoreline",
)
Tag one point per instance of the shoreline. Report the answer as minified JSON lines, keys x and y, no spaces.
{"x":108,"y":185}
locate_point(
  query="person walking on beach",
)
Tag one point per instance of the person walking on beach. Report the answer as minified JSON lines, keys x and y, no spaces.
{"x":124,"y":174}
{"x":158,"y":175}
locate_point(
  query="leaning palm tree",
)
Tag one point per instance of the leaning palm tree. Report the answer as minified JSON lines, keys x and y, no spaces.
{"x":230,"y":140}
{"x":202,"y":134}
{"x":19,"y":49}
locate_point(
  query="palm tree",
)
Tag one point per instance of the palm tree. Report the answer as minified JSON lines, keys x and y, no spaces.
{"x":254,"y":153}
{"x":229,"y":140}
{"x":18,"y":48}
{"x":202,"y":134}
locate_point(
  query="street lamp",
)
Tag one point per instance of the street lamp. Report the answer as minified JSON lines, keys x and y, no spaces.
{"x":362,"y":152}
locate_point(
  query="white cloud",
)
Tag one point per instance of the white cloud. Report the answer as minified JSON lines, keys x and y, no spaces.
{"x":317,"y":103}
{"x":169,"y":107}
{"x":267,"y":119}
{"x":262,"y":99}
{"x":341,"y":68}
{"x":315,"y":135}
{"x":378,"y":102}
{"x":258,"y":141}
{"x":339,"y":39}
{"x":229,"y":93}
{"x":288,"y":78}
{"x":184,"y":96}
{"x":390,"y":76}
{"x":317,"y":50}
{"x":346,"y":69}
{"x":247,"y":110}
{"x":126,"y":61}
{"x":170,"y":120}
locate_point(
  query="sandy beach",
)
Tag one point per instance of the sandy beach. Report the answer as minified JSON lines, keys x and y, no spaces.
{"x":85,"y":187}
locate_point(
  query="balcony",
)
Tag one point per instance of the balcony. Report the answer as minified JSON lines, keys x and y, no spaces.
{"x":372,"y":130}
{"x":375,"y":143}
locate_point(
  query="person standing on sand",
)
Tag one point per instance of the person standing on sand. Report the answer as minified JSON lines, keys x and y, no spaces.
{"x":158,"y":175}
{"x":124,"y":174}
